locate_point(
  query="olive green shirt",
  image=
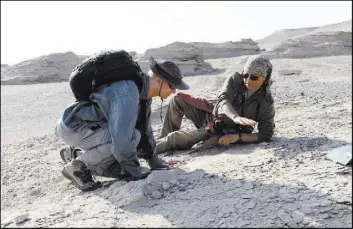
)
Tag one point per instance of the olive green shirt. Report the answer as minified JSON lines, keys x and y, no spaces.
{"x":258,"y":107}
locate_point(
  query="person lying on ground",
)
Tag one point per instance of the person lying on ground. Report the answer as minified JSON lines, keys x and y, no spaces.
{"x":244,"y":101}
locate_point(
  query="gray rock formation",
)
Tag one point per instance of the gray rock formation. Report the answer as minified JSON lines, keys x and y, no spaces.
{"x":175,"y":51}
{"x":314,"y":45}
{"x":275,"y":38}
{"x":227,"y":49}
{"x":4,"y":67}
{"x":329,"y":40}
{"x":190,"y":56}
{"x":51,"y":68}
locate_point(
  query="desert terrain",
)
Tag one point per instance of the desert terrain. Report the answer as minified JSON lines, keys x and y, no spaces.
{"x":287,"y":182}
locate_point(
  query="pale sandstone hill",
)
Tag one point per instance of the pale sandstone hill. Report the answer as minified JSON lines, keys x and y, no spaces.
{"x":4,"y":67}
{"x":273,"y":39}
{"x":329,"y":40}
{"x":190,"y":56}
{"x":55,"y":67}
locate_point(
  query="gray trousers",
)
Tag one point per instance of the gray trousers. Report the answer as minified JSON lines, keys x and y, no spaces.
{"x":171,"y":136}
{"x":96,"y":144}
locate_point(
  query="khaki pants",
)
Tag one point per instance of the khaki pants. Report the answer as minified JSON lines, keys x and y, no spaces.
{"x":172,"y":137}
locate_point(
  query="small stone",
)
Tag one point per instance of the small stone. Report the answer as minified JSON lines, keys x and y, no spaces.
{"x":284,"y":216}
{"x":173,"y":182}
{"x":325,"y":203}
{"x":237,"y":183}
{"x":182,"y":189}
{"x":156,"y":195}
{"x":315,"y":224}
{"x":250,"y":204}
{"x":21,"y":218}
{"x":248,"y":185}
{"x":35,"y":192}
{"x":166,"y":185}
{"x":241,"y":223}
{"x":148,"y":190}
{"x":302,"y":93}
{"x":6,"y":223}
{"x":242,"y":210}
{"x":306,"y":209}
{"x":292,"y":146}
{"x":326,"y":209}
{"x":293,"y":225}
{"x":297,"y":216}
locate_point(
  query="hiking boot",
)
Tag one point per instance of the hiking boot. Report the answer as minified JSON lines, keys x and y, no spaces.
{"x":69,"y":153}
{"x":81,"y":177}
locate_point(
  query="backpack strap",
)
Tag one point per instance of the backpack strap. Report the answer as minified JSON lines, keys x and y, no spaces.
{"x":142,"y":125}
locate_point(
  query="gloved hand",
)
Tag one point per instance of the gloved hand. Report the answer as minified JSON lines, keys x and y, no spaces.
{"x":228,"y":139}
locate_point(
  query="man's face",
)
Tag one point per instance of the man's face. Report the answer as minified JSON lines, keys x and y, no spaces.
{"x":166,"y":90}
{"x":253,"y":81}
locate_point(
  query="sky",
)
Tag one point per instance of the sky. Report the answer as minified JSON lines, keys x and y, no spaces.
{"x":31,"y":29}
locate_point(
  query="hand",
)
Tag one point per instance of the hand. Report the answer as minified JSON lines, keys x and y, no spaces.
{"x":167,"y":165}
{"x":244,"y":121}
{"x":171,"y":163}
{"x":197,"y":145}
{"x":228,"y":139}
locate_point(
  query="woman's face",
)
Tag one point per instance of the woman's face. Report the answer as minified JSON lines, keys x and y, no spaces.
{"x":253,"y":81}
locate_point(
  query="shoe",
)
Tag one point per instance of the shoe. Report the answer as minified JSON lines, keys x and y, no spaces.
{"x":69,"y":153}
{"x":81,"y":177}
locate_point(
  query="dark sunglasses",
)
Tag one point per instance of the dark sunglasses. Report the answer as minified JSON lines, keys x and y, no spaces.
{"x":171,"y":87}
{"x":252,"y":77}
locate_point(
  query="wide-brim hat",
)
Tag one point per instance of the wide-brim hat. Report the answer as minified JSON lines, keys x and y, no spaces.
{"x":168,"y":71}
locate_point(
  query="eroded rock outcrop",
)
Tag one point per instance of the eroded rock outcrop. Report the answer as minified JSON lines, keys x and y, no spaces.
{"x":227,"y":49}
{"x":190,"y":56}
{"x":4,"y":67}
{"x":330,"y":40}
{"x":55,"y":67}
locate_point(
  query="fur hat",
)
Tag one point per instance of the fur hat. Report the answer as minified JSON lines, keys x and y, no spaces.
{"x":259,"y":65}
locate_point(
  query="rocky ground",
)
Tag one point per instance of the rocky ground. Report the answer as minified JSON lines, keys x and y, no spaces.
{"x":285,"y":183}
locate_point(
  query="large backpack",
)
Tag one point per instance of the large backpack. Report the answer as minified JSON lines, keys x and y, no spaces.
{"x":103,"y":68}
{"x":108,"y":67}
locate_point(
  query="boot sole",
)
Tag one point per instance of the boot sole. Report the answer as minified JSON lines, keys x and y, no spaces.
{"x":98,"y":184}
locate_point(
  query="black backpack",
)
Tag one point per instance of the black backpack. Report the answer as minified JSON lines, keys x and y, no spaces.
{"x":108,"y":67}
{"x":103,"y":68}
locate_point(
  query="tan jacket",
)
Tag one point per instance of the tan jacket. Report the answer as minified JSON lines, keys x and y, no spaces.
{"x":258,"y":107}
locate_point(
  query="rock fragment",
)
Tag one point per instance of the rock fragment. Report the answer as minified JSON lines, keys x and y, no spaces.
{"x":156,"y":195}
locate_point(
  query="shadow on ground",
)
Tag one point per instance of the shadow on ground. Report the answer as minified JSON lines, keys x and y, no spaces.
{"x":284,"y":148}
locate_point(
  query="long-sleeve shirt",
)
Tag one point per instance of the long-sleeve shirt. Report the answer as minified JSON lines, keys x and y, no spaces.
{"x":118,"y":105}
{"x":261,"y":101}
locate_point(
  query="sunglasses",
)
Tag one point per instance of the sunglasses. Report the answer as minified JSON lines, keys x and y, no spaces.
{"x":252,"y":77}
{"x":171,"y":87}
